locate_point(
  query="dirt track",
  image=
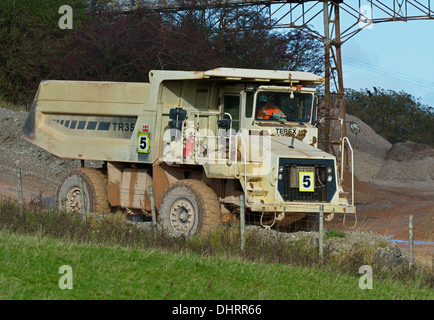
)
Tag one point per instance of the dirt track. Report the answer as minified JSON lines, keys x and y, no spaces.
{"x":33,"y":187}
{"x":385,"y":210}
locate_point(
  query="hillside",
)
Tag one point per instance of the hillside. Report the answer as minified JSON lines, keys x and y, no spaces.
{"x":392,"y":181}
{"x":148,"y":274}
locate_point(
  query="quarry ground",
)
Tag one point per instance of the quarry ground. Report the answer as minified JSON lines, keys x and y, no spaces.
{"x":387,"y":213}
{"x":392,"y":182}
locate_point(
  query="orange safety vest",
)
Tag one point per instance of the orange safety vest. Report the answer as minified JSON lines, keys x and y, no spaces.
{"x":265,"y":112}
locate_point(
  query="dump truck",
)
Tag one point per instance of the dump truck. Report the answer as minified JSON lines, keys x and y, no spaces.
{"x":197,"y":138}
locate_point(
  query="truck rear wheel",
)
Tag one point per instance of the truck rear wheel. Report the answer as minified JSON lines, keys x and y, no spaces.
{"x":189,"y":207}
{"x":94,"y":189}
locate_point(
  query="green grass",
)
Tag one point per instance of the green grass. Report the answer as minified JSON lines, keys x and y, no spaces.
{"x":334,"y":234}
{"x":29,"y":269}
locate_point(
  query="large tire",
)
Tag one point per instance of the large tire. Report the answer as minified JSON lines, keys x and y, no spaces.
{"x":189,"y":207}
{"x":94,"y":189}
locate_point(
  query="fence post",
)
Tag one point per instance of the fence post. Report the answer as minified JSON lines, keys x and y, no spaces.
{"x":410,"y":240}
{"x":151,"y":199}
{"x":82,"y":199}
{"x":20,"y":190}
{"x":321,"y":232}
{"x":242,"y":223}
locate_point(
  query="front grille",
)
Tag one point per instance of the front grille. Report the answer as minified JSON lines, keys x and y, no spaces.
{"x":289,"y":184}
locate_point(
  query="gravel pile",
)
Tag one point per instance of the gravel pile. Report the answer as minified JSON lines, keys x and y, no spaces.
{"x":405,"y":151}
{"x":413,"y":170}
{"x":370,"y":149}
{"x":16,"y":152}
{"x":408,"y":161}
{"x":376,"y":158}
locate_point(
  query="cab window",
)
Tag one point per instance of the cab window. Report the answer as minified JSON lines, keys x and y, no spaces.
{"x":231,"y":105}
{"x":284,"y":107}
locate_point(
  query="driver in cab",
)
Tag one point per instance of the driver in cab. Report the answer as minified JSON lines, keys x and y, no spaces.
{"x":268,"y":109}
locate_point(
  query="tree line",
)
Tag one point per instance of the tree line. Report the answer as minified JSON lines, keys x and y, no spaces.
{"x":396,"y":116}
{"x":124,"y":46}
{"x":106,"y":45}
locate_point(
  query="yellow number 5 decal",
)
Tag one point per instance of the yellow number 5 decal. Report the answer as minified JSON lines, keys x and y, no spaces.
{"x":143,"y":143}
{"x":306,"y":181}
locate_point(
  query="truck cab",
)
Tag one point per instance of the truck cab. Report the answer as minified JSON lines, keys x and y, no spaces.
{"x":273,"y":160}
{"x":296,"y":108}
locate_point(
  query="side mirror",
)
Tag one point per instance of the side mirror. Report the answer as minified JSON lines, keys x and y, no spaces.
{"x":354,"y":127}
{"x":223,"y":123}
{"x":315,"y":111}
{"x":177,"y":116}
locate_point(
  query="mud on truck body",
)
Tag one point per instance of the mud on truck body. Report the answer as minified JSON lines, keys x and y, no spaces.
{"x":197,"y":139}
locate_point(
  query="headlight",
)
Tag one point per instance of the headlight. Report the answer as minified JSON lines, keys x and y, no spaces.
{"x":329,"y":178}
{"x":280,"y":169}
{"x":280,"y":176}
{"x":329,"y":170}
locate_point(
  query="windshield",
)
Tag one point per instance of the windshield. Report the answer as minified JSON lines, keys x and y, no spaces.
{"x":278,"y":106}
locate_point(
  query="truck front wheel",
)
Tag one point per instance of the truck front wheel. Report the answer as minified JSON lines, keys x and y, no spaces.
{"x":94,"y":189}
{"x":189,"y":207}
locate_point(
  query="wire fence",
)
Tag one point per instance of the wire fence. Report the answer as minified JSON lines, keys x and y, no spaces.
{"x":25,"y":188}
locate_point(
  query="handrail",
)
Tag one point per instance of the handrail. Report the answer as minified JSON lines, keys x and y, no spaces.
{"x":246,"y":198}
{"x":352,"y":178}
{"x":238,"y":134}
{"x":352,"y":166}
{"x":197,"y":136}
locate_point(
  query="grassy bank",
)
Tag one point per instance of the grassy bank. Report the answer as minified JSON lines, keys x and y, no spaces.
{"x":29,"y":269}
{"x":114,"y":260}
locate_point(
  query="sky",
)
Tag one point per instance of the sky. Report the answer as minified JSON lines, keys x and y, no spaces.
{"x":393,"y":55}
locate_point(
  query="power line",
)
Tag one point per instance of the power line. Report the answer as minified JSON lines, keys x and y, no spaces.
{"x":389,"y":73}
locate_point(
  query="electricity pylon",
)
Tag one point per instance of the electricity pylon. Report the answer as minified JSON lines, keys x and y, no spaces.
{"x":331,"y":22}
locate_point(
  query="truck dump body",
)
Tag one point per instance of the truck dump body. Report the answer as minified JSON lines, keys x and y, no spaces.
{"x":89,"y":120}
{"x":101,"y":120}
